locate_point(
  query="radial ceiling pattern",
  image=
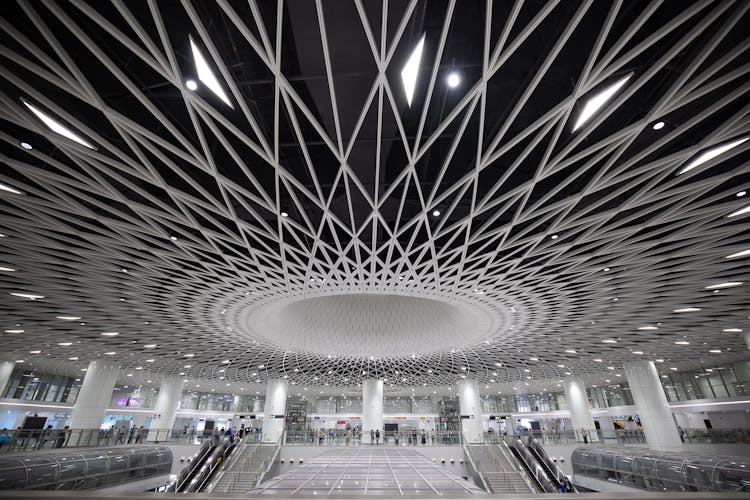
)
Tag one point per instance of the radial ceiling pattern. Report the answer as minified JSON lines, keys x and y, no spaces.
{"x":171,"y":170}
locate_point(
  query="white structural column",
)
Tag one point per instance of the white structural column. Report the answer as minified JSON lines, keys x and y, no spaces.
{"x":257,"y":406}
{"x":580,"y":412}
{"x":659,"y":426}
{"x":6,"y":370}
{"x":94,"y":395}
{"x":471,"y":411}
{"x":275,"y":415}
{"x":165,"y":409}
{"x":372,"y":409}
{"x":747,"y":339}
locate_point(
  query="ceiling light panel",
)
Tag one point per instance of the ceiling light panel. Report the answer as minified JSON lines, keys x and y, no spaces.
{"x":206,"y":75}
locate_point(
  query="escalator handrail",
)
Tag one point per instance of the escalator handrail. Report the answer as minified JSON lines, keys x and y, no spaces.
{"x":536,"y":469}
{"x":222,"y":449}
{"x":187,"y":472}
{"x":558,"y":474}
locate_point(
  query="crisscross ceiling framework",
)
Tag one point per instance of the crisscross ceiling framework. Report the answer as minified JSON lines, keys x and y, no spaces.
{"x":236,"y":158}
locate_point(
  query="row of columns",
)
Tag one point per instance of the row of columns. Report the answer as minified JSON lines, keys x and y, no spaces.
{"x":660,"y":429}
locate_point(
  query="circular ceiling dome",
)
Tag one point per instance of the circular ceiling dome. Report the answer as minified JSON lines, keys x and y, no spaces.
{"x":370,"y":325}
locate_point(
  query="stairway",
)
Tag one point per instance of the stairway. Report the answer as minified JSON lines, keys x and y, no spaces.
{"x":499,"y":474}
{"x":243,"y":469}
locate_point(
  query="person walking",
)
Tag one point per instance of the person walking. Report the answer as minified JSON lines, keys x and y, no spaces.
{"x":372,"y":437}
{"x":348,"y":436}
{"x":377,"y":437}
{"x":321,"y":436}
{"x":424,"y":438}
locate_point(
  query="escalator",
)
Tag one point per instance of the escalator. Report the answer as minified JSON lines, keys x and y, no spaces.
{"x":517,"y":455}
{"x":203,"y":466}
{"x":553,"y":477}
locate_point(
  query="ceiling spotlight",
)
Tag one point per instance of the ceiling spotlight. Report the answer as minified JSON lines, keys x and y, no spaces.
{"x":9,"y":189}
{"x":173,"y":238}
{"x":741,"y":194}
{"x":728,"y":284}
{"x":732,"y":330}
{"x":608,"y":341}
{"x":14,"y":331}
{"x":57,"y":127}
{"x":69,"y":318}
{"x":207,"y":76}
{"x":26,"y":145}
{"x":715,"y":351}
{"x":435,"y":213}
{"x":29,"y":296}
{"x":65,"y":344}
{"x":744,"y":253}
{"x":687,"y":309}
{"x":554,"y":237}
{"x":711,"y":154}
{"x":110,"y":334}
{"x":191,"y":85}
{"x":110,"y":353}
{"x":35,"y":352}
{"x":649,"y":327}
{"x":411,"y":70}
{"x":453,"y":79}
{"x":658,"y":125}
{"x":7,"y":269}
{"x":284,"y":214}
{"x":597,"y":101}
{"x":741,"y":211}
{"x":149,"y":346}
{"x":682,"y":342}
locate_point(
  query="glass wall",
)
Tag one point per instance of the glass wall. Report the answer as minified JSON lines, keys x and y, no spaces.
{"x":192,"y":400}
{"x":609,"y":395}
{"x":726,"y":380}
{"x":26,"y":384}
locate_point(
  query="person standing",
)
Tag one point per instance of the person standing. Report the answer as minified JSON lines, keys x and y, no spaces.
{"x":321,"y":436}
{"x":377,"y":436}
{"x":424,"y":438}
{"x":348,"y":436}
{"x":372,"y":437}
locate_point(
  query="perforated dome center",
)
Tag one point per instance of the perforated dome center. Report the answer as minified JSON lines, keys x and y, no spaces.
{"x":364,"y":325}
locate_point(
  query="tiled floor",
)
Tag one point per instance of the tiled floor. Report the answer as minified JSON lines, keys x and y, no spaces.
{"x":367,"y":471}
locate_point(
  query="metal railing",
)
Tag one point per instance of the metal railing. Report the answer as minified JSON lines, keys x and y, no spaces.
{"x":23,"y":440}
{"x":339,"y":437}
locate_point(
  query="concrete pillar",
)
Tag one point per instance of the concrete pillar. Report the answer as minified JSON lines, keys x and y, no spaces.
{"x":257,"y":406}
{"x":239,"y":405}
{"x":580,"y":413}
{"x":653,"y":409}
{"x":165,"y":409}
{"x":747,"y":339}
{"x":470,"y":406}
{"x":6,"y":370}
{"x":94,"y":395}
{"x":275,"y":415}
{"x":372,"y":409}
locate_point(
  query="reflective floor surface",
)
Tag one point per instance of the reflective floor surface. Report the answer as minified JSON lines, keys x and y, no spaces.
{"x":368,"y":471}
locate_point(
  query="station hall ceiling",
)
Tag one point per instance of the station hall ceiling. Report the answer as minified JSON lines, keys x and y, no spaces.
{"x":330,"y":191}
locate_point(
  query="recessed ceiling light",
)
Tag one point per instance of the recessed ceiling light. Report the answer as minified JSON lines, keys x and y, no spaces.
{"x":14,"y":331}
{"x":711,"y":154}
{"x":35,"y":352}
{"x":69,"y":318}
{"x":191,"y":84}
{"x":284,"y":214}
{"x":570,"y":351}
{"x":726,"y":284}
{"x":9,"y":189}
{"x":732,"y":330}
{"x":189,"y":355}
{"x":206,"y":75}
{"x":648,"y":327}
{"x":741,"y":211}
{"x":110,"y":353}
{"x":149,"y":346}
{"x":687,"y":309}
{"x":19,"y":361}
{"x":26,"y":145}
{"x":597,"y":360}
{"x":435,"y":213}
{"x":173,"y":238}
{"x":65,"y":343}
{"x":637,"y":352}
{"x":453,"y":79}
{"x":608,"y":341}
{"x":554,"y":237}
{"x":110,"y":334}
{"x":411,"y":70}
{"x":29,"y":296}
{"x":658,"y":125}
{"x":597,"y":101}
{"x":741,"y":194}
{"x":682,"y":342}
{"x":715,"y":351}
{"x":605,"y":269}
{"x":57,"y":127}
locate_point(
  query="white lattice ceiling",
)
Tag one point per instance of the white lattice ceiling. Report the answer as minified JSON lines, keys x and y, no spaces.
{"x":245,"y":190}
